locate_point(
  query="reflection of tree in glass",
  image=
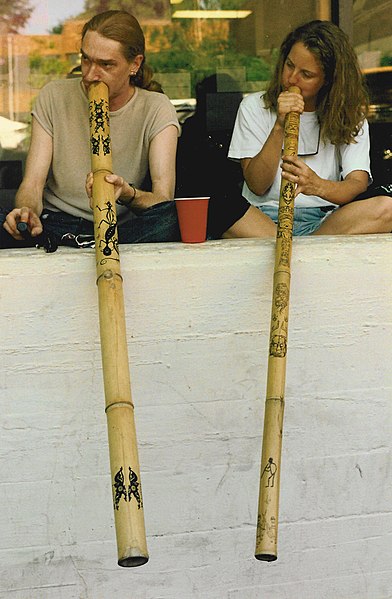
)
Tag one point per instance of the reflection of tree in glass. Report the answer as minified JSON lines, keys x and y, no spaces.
{"x":209,"y":4}
{"x":14,"y":15}
{"x":212,"y":4}
{"x":157,"y":9}
{"x":179,"y":50}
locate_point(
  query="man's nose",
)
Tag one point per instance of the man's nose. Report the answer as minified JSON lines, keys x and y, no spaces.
{"x":91,"y":73}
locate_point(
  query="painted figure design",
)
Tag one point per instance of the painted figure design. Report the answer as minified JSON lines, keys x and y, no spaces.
{"x":99,"y":117}
{"x":106,"y":145}
{"x":279,"y":322}
{"x":281,"y":296}
{"x":110,"y":240}
{"x":94,"y":141}
{"x":264,"y":527}
{"x":261,"y":527}
{"x":133,"y":488}
{"x":119,"y":488}
{"x":270,"y":469}
{"x":122,"y":492}
{"x":285,"y":226}
{"x":286,"y":212}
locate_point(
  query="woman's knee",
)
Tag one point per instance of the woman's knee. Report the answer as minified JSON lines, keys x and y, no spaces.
{"x":383,"y":206}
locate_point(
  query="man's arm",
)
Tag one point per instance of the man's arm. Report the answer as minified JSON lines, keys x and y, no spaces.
{"x":28,"y":200}
{"x":162,"y":162}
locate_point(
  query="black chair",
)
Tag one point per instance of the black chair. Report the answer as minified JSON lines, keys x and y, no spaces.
{"x":11,"y":174}
{"x":379,"y":84}
{"x":381,"y":151}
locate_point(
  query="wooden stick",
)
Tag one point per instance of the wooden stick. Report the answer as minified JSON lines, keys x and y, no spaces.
{"x":268,"y":510}
{"x":124,"y":461}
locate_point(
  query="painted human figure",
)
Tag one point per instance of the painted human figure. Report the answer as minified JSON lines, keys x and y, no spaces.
{"x":270,"y":469}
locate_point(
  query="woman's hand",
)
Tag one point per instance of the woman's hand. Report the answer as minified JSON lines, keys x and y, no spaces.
{"x":305,"y":179}
{"x":289,"y":102}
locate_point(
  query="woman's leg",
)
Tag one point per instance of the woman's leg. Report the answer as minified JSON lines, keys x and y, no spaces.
{"x":252,"y":224}
{"x":361,"y":217}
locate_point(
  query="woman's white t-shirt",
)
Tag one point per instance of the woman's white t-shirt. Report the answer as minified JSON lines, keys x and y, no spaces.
{"x":252,"y":127}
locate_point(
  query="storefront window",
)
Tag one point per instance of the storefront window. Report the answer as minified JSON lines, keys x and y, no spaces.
{"x":234,"y":42}
{"x":372,"y":32}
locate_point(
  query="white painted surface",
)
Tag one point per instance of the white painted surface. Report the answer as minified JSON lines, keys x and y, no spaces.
{"x":198,"y":326}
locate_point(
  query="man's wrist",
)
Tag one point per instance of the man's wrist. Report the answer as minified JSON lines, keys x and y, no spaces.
{"x":127,"y":201}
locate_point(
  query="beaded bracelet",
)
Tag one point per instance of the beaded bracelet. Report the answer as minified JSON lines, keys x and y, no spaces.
{"x":127,"y":202}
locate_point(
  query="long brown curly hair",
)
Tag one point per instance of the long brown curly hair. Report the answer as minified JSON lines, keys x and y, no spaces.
{"x":342,"y":103}
{"x":122,"y":27}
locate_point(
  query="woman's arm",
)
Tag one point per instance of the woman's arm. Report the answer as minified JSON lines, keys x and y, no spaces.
{"x":260,"y":171}
{"x":309,"y":183}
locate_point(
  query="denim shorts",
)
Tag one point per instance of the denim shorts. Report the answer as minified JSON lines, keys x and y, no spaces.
{"x":306,"y":220}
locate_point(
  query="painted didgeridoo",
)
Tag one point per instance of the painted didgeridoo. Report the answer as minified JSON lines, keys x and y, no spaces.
{"x":268,"y":508}
{"x":124,"y":460}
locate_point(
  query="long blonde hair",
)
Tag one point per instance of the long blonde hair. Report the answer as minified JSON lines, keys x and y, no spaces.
{"x":342,"y":103}
{"x":122,"y":27}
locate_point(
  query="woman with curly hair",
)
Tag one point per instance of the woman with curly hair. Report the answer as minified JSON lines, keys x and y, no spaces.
{"x":332,"y":167}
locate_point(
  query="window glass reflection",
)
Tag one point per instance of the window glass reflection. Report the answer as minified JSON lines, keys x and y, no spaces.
{"x":187,"y":41}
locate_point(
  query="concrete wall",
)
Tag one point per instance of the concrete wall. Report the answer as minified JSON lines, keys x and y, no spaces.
{"x":198,"y":327}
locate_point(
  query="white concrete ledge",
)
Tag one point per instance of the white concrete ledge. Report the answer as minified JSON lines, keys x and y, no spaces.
{"x":198,"y":322}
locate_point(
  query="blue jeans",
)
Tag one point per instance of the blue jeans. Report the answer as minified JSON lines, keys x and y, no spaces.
{"x":156,"y":224}
{"x":306,"y":220}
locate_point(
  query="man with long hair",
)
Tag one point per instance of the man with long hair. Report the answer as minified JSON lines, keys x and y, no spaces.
{"x":144,"y":130}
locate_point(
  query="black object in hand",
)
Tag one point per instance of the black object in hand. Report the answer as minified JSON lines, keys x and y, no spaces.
{"x":46,"y":240}
{"x":23,"y":230}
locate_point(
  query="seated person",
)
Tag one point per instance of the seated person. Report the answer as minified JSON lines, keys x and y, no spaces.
{"x":144,"y":130}
{"x":332,"y":167}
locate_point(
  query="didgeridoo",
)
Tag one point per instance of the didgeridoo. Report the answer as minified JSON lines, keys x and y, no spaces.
{"x":124,"y":461}
{"x":268,"y":509}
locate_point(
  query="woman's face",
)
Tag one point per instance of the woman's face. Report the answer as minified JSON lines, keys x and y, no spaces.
{"x":302,"y":68}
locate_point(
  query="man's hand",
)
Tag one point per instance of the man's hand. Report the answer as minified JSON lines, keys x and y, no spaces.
{"x":121,"y":188}
{"x":24,"y":215}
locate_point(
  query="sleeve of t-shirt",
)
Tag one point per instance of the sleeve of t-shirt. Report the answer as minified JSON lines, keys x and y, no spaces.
{"x":165,"y":115}
{"x":42,"y":110}
{"x":355,"y":157}
{"x":251,"y":128}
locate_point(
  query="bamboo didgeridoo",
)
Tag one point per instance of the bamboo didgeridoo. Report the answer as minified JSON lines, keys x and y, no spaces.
{"x":268,"y":510}
{"x":124,"y":461}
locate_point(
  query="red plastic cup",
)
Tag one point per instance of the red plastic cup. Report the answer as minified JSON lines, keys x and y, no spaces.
{"x":192,"y":217}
